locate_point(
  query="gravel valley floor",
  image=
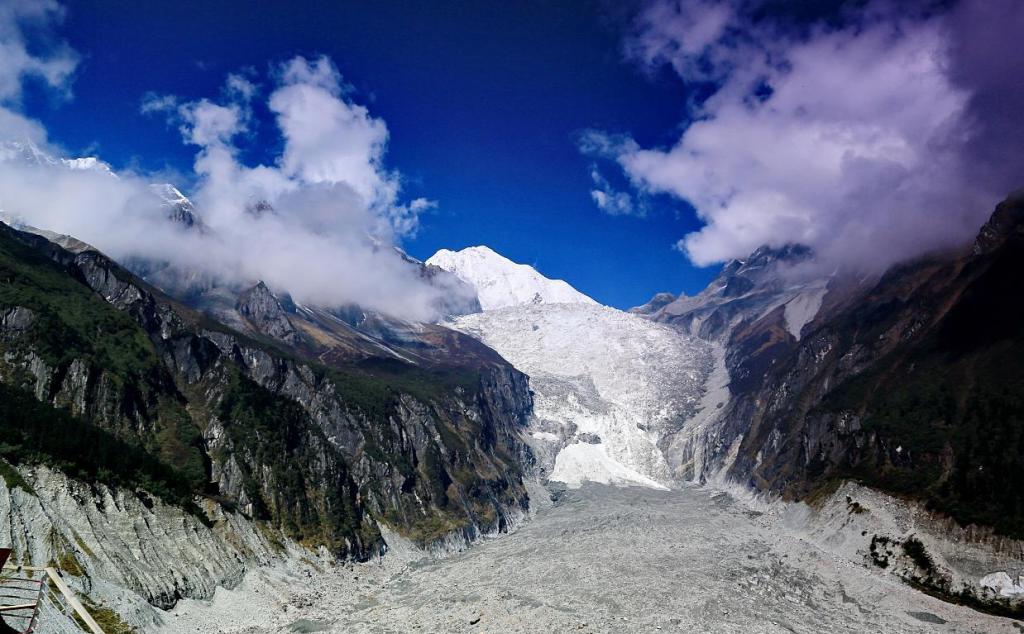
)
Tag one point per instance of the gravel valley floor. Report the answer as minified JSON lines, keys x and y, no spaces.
{"x":600,"y":559}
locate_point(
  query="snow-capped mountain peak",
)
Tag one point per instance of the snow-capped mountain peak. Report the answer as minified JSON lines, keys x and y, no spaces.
{"x":28,"y":153}
{"x":169,"y":194}
{"x":500,"y":282}
{"x":178,"y":207}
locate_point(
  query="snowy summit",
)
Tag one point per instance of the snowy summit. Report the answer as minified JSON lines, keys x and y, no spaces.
{"x":501,"y":283}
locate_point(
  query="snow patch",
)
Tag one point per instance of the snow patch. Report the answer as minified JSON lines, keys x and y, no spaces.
{"x":1002,"y":583}
{"x":802,"y":309}
{"x":28,"y":153}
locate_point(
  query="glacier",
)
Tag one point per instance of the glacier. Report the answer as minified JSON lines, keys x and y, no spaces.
{"x":610,"y":388}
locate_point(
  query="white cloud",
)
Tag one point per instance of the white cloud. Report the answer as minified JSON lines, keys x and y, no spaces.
{"x":205,"y":123}
{"x":612,"y":201}
{"x":686,"y":35}
{"x":19,"y":64}
{"x":327,"y":138}
{"x":853,"y":140}
{"x":319,"y":222}
{"x":154,"y":103}
{"x":335,"y":207}
{"x":239,"y":87}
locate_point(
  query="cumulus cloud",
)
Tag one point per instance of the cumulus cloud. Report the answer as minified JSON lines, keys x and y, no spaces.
{"x":612,"y":201}
{"x":872,"y":138}
{"x":329,"y":209}
{"x":320,"y":221}
{"x":19,"y":19}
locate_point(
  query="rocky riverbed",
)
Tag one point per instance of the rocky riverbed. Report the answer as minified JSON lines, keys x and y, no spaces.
{"x":597,"y":559}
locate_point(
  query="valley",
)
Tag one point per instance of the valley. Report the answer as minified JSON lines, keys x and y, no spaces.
{"x":394,"y":318}
{"x":531,"y":459}
{"x":602,"y":559}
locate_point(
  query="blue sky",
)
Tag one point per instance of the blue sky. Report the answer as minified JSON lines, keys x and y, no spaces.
{"x":871,"y":132}
{"x":485,"y":104}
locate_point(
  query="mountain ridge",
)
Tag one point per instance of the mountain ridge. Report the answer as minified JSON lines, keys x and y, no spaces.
{"x":870,"y":378}
{"x":323,"y":453}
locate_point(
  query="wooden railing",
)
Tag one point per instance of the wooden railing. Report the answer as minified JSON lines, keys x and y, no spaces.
{"x":21,"y":595}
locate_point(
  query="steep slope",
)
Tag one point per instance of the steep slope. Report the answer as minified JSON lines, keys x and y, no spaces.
{"x":205,"y":418}
{"x":346,"y":333}
{"x":501,"y":283}
{"x":754,"y":310}
{"x":909,"y":382}
{"x":915,"y":388}
{"x":745,"y":291}
{"x":610,"y":389}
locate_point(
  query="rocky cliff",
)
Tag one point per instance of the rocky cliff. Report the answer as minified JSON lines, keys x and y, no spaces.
{"x":109,"y":381}
{"x":770,"y":279}
{"x":915,"y":388}
{"x":909,"y":382}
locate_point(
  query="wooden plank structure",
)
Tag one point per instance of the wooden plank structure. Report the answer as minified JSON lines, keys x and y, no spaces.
{"x":23,"y":589}
{"x":19,"y":599}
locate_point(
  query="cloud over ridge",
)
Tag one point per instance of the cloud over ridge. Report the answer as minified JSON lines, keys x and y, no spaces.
{"x":320,"y":221}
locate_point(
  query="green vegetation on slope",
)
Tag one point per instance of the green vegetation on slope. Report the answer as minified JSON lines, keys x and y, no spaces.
{"x":954,"y":404}
{"x":372,"y":385}
{"x":35,"y":432}
{"x":292,"y":475}
{"x":108,"y":620}
{"x":72,"y":322}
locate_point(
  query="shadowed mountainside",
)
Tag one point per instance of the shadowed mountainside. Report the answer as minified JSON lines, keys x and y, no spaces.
{"x":322,"y":450}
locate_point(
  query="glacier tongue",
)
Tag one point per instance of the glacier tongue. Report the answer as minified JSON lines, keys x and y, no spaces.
{"x":610,"y":388}
{"x":583,"y":462}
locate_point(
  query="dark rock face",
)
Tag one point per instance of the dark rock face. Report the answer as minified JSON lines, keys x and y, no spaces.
{"x":323,"y":451}
{"x":184,"y":214}
{"x":259,"y":208}
{"x":1007,"y":221}
{"x":656,"y":303}
{"x":913,"y":384}
{"x":178,"y":209}
{"x":266,"y":314}
{"x":743,"y":291}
